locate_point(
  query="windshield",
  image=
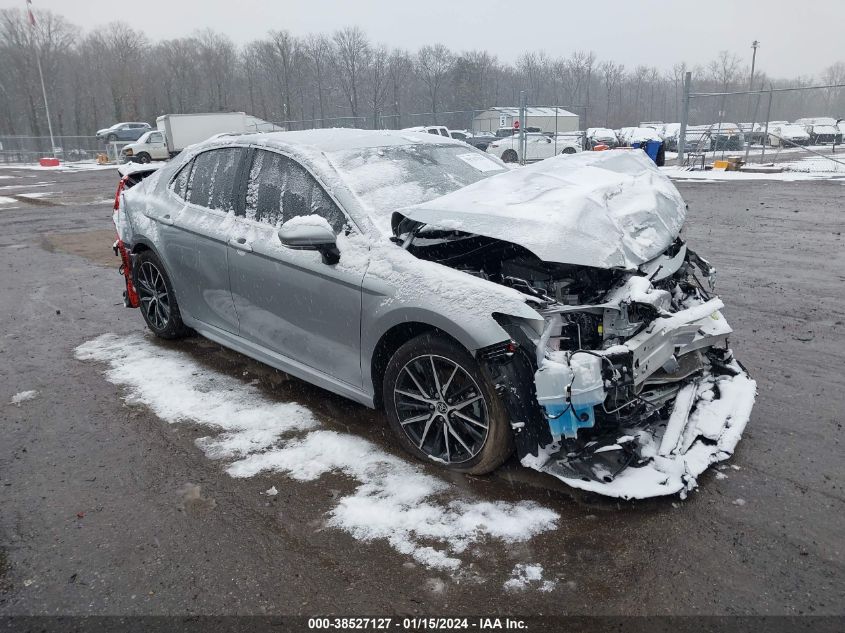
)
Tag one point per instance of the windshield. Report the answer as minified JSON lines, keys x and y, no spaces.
{"x":386,"y":179}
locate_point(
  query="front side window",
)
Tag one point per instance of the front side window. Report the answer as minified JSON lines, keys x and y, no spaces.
{"x":280,"y":189}
{"x":156,"y":138}
{"x":212,"y":181}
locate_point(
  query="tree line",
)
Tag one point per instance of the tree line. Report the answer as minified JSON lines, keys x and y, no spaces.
{"x":117,"y":73}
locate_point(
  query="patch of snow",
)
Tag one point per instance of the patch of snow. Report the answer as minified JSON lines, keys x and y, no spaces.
{"x":271,"y":491}
{"x":418,"y":514}
{"x":23,"y":396}
{"x":525,"y":576}
{"x":739,"y":502}
{"x":6,"y":200}
{"x":69,"y":167}
{"x":788,"y":175}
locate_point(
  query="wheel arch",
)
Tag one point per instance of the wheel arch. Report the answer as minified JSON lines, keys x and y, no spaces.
{"x":391,"y":341}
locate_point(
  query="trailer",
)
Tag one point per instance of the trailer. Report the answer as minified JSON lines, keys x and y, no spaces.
{"x":181,"y":130}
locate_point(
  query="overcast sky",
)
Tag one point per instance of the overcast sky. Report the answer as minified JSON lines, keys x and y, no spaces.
{"x":797,"y":38}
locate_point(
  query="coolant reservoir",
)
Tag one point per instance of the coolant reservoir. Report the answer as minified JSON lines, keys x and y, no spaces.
{"x":568,"y":389}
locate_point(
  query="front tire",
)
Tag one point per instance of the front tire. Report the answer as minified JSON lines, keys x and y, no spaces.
{"x":442,"y":408}
{"x":158,"y":301}
{"x":111,"y":138}
{"x":144,"y":158}
{"x":568,"y":150}
{"x":510,"y":156}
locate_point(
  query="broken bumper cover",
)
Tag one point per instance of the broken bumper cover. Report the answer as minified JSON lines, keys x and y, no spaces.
{"x":663,"y":457}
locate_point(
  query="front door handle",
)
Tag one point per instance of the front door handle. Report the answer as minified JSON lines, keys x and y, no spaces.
{"x":166,"y":219}
{"x":240,"y":244}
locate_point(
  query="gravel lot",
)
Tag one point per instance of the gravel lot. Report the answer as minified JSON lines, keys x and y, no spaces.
{"x":108,"y":510}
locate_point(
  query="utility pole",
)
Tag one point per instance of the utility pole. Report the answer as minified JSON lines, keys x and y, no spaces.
{"x":754,"y":45}
{"x":682,"y":133}
{"x":522,"y":133}
{"x":40,"y":73}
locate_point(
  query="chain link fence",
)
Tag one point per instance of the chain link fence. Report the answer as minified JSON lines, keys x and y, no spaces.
{"x":29,"y":149}
{"x":763,"y":125}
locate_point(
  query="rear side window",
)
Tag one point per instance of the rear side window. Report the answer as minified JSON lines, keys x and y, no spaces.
{"x":180,"y":183}
{"x":280,"y":188}
{"x":212,"y":180}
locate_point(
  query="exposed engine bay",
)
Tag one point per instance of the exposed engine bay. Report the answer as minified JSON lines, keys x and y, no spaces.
{"x":632,"y":390}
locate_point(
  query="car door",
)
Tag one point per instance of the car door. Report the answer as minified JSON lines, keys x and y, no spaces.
{"x":291,"y":301}
{"x":157,"y":146}
{"x":196,"y":235}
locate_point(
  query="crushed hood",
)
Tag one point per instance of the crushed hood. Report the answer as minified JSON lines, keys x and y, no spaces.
{"x":611,"y":209}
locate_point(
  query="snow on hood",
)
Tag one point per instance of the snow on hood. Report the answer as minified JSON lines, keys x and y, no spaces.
{"x":610,"y":209}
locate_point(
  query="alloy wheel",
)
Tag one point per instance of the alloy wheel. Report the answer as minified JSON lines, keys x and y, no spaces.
{"x":441,"y":409}
{"x":152,"y":292}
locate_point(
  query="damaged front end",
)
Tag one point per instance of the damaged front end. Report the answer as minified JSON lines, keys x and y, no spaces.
{"x":640,"y":391}
{"x":630,"y":392}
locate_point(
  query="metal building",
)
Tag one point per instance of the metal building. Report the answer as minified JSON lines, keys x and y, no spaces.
{"x":544,"y":118}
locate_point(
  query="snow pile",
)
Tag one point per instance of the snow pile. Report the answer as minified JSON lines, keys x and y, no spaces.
{"x":525,"y":576}
{"x":601,"y":209}
{"x":23,"y":396}
{"x":416,"y":513}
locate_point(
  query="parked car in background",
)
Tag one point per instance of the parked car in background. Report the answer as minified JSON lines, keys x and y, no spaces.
{"x":151,"y":146}
{"x":461,"y":135}
{"x":657,"y":126}
{"x":726,"y":136}
{"x":486,"y":310}
{"x":481,"y":140}
{"x":697,"y":139}
{"x":130,"y":131}
{"x":629,"y":135}
{"x":788,"y":135}
{"x":440,"y":130}
{"x":537,"y":147}
{"x":504,"y":132}
{"x":601,"y":136}
{"x":822,"y":130}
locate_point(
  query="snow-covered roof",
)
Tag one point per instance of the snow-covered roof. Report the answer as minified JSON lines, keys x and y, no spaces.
{"x":340,"y":139}
{"x":602,"y":209}
{"x":530,"y":111}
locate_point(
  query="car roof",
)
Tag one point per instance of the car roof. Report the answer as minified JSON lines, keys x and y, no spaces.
{"x":341,"y":139}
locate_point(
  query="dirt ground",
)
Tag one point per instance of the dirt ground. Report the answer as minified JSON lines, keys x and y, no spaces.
{"x":94,"y":519}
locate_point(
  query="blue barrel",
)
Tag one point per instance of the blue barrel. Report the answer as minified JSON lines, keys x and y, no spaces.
{"x":651,"y":148}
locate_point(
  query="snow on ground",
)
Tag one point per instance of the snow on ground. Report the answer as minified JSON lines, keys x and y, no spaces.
{"x":6,"y":200}
{"x":23,"y":396}
{"x":525,"y":576}
{"x":418,"y":514}
{"x":75,"y":166}
{"x":718,"y":175}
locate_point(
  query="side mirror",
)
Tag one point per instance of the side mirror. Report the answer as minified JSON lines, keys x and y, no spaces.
{"x":306,"y":233}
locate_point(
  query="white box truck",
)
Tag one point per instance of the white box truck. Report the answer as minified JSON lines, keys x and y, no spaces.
{"x":181,"y":130}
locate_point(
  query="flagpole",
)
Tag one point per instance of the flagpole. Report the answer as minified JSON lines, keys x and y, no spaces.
{"x":41,"y":75}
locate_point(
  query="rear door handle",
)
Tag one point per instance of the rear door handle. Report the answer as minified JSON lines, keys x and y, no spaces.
{"x":240,"y":244}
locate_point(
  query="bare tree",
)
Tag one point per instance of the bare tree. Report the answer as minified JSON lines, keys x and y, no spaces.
{"x":351,"y":57}
{"x":379,"y":82}
{"x":433,"y":64}
{"x":318,"y":49}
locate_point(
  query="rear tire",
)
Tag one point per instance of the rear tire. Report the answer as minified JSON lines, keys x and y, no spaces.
{"x":568,"y":150}
{"x":158,"y":301}
{"x":510,"y":156}
{"x":442,"y":409}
